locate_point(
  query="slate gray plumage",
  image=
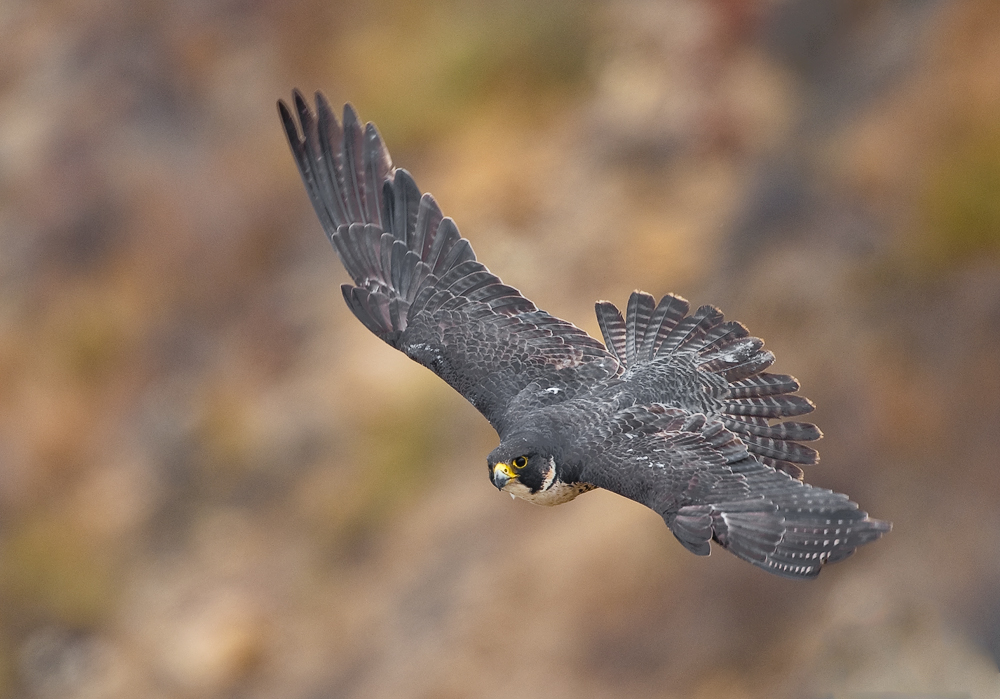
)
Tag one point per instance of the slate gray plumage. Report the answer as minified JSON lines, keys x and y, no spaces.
{"x":674,"y":411}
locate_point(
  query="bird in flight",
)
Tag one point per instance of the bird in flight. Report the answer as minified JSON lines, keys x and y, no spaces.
{"x":675,"y":410}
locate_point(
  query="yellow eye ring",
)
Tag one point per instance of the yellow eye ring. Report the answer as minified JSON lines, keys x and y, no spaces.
{"x":520,"y":462}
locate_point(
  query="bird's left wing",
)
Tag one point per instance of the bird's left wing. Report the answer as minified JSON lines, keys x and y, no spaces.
{"x":702,"y":480}
{"x":417,"y":283}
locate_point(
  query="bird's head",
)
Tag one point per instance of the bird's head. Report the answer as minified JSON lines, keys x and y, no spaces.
{"x":522,"y":466}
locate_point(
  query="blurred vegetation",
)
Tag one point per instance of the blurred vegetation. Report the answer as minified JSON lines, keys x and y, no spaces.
{"x":396,"y":455}
{"x":445,"y":58}
{"x":961,"y":206}
{"x":53,"y":568}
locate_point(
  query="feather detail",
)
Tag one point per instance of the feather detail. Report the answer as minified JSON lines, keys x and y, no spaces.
{"x":718,"y":357}
{"x":640,"y":310}
{"x":669,"y":311}
{"x":612,"y":328}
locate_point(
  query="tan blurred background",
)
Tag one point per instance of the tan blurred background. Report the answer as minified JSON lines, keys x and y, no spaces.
{"x":214,"y":482}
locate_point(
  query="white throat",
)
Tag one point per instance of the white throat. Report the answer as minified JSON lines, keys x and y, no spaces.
{"x":552,"y":492}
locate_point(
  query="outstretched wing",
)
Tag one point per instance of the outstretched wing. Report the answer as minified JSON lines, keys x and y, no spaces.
{"x":700,"y":477}
{"x":705,"y":364}
{"x":417,"y":283}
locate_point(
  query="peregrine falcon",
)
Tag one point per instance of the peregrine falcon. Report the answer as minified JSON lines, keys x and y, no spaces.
{"x":675,"y":410}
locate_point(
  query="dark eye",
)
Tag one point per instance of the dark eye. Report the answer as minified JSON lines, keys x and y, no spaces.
{"x":520,"y":462}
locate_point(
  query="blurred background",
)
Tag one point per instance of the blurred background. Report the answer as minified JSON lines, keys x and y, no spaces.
{"x":214,"y":482}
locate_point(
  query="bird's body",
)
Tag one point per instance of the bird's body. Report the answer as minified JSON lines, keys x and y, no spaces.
{"x":674,"y":411}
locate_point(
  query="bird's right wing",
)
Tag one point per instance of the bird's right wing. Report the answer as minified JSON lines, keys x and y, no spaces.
{"x":706,"y":485}
{"x":417,"y":283}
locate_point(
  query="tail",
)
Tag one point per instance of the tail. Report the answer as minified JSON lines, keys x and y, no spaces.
{"x":750,"y":397}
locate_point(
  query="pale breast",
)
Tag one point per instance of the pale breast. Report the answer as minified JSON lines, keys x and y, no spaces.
{"x":556,"y":494}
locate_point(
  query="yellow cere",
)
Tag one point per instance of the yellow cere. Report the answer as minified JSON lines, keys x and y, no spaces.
{"x":505,"y":469}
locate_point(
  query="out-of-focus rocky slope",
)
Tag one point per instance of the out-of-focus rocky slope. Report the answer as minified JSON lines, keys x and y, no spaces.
{"x":215,"y":483}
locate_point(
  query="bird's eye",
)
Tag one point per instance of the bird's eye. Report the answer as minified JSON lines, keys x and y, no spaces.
{"x":520,"y":462}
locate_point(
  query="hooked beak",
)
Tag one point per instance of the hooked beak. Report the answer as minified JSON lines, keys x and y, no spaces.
{"x":501,"y":475}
